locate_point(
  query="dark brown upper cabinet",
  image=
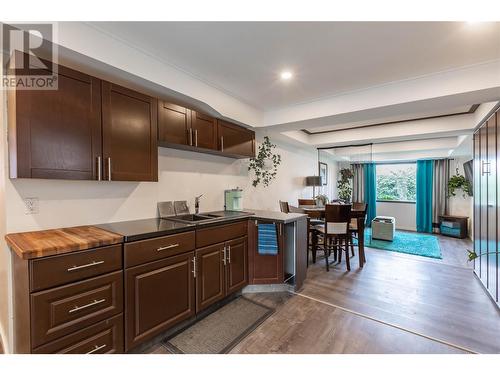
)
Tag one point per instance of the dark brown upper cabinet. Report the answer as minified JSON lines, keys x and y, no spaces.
{"x":235,"y":140}
{"x":129,"y":132}
{"x":174,"y":124}
{"x":180,"y":127}
{"x":86,"y":129}
{"x":203,"y":130}
{"x":56,"y":133}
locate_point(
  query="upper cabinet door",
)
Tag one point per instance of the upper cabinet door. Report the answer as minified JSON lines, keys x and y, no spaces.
{"x":174,"y":124}
{"x":204,"y":130}
{"x":56,"y":133}
{"x":235,"y":140}
{"x":129,"y":134}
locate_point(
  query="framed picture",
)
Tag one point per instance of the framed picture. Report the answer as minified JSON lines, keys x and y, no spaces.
{"x":323,"y":173}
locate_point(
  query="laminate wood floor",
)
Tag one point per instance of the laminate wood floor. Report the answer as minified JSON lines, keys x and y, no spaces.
{"x":397,"y":303}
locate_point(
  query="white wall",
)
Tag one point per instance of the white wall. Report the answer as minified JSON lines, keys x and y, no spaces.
{"x":182,"y":175}
{"x":404,"y":213}
{"x":460,"y":205}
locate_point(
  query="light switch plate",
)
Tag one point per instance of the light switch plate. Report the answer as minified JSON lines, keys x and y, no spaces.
{"x":32,"y":207}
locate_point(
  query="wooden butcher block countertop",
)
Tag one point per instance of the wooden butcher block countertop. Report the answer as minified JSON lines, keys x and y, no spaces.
{"x":29,"y":245}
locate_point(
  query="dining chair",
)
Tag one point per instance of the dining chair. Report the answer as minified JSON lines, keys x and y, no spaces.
{"x":335,"y":232}
{"x":353,"y":225}
{"x":307,"y":202}
{"x":284,"y":207}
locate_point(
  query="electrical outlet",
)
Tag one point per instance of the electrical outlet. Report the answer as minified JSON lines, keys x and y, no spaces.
{"x":31,"y":206}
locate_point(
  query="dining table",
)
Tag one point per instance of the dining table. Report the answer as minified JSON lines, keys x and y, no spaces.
{"x":315,"y":211}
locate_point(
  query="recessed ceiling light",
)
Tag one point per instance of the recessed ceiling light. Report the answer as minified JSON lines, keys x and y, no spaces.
{"x":286,"y":75}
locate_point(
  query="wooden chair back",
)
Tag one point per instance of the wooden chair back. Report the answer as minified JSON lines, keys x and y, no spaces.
{"x":359,"y":206}
{"x":307,"y":202}
{"x":337,"y":218}
{"x":284,"y":207}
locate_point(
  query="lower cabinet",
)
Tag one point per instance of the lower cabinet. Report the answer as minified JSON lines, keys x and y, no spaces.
{"x":236,"y":267}
{"x":158,"y":295}
{"x":105,"y":337}
{"x":221,"y":269}
{"x":210,"y":285}
{"x":265,"y":268}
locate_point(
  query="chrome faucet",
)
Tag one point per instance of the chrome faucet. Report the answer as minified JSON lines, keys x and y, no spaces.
{"x":197,"y":204}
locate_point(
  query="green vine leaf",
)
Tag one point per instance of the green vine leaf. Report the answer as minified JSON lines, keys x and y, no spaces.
{"x":258,"y":164}
{"x":459,"y":182}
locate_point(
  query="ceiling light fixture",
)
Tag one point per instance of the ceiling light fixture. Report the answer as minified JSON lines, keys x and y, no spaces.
{"x":286,"y":75}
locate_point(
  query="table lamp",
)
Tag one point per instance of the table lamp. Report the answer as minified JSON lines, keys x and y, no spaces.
{"x":313,"y":181}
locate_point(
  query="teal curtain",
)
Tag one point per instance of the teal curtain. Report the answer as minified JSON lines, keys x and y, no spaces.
{"x":424,"y":195}
{"x":370,"y":192}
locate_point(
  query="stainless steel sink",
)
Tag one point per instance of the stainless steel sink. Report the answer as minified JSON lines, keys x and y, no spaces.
{"x":191,"y":218}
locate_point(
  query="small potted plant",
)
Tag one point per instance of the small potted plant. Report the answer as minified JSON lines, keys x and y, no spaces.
{"x":461,"y":183}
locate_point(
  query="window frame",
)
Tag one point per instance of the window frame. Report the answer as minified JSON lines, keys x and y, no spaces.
{"x":399,"y":200}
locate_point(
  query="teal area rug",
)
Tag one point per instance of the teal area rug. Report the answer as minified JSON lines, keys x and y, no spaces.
{"x":421,"y":244}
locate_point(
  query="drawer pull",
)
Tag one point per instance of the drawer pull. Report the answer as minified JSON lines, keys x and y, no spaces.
{"x":94,"y":263}
{"x":96,"y":348}
{"x":167,"y":247}
{"x":78,"y":308}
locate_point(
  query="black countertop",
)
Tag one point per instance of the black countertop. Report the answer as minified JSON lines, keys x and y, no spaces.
{"x":136,"y":230}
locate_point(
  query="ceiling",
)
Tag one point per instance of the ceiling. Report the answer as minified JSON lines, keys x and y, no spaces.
{"x":244,"y":59}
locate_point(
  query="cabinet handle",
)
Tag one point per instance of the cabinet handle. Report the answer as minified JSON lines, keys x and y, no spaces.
{"x":196,"y":137}
{"x":94,"y":263}
{"x":487,"y":169}
{"x":229,"y":254}
{"x":99,"y":169}
{"x":78,"y":308}
{"x":222,"y":143}
{"x":224,"y":255}
{"x":96,"y":348}
{"x":109,"y":169}
{"x":167,"y":247}
{"x":194,"y":267}
{"x":190,"y":132}
{"x":280,"y":229}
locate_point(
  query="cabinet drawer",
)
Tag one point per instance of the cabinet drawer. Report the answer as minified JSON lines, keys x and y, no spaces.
{"x":63,"y":269}
{"x":67,"y":309}
{"x":140,"y":252}
{"x":213,"y":235}
{"x":105,"y":337}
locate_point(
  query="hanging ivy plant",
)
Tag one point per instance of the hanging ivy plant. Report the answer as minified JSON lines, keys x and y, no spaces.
{"x":459,"y":182}
{"x":265,"y":164}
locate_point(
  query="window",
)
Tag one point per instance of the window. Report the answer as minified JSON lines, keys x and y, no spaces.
{"x":396,"y":182}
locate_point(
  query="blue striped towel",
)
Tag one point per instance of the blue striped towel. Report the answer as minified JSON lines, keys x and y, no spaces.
{"x":267,"y":239}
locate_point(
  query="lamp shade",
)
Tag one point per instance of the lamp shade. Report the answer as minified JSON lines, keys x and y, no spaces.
{"x":313,"y":181}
